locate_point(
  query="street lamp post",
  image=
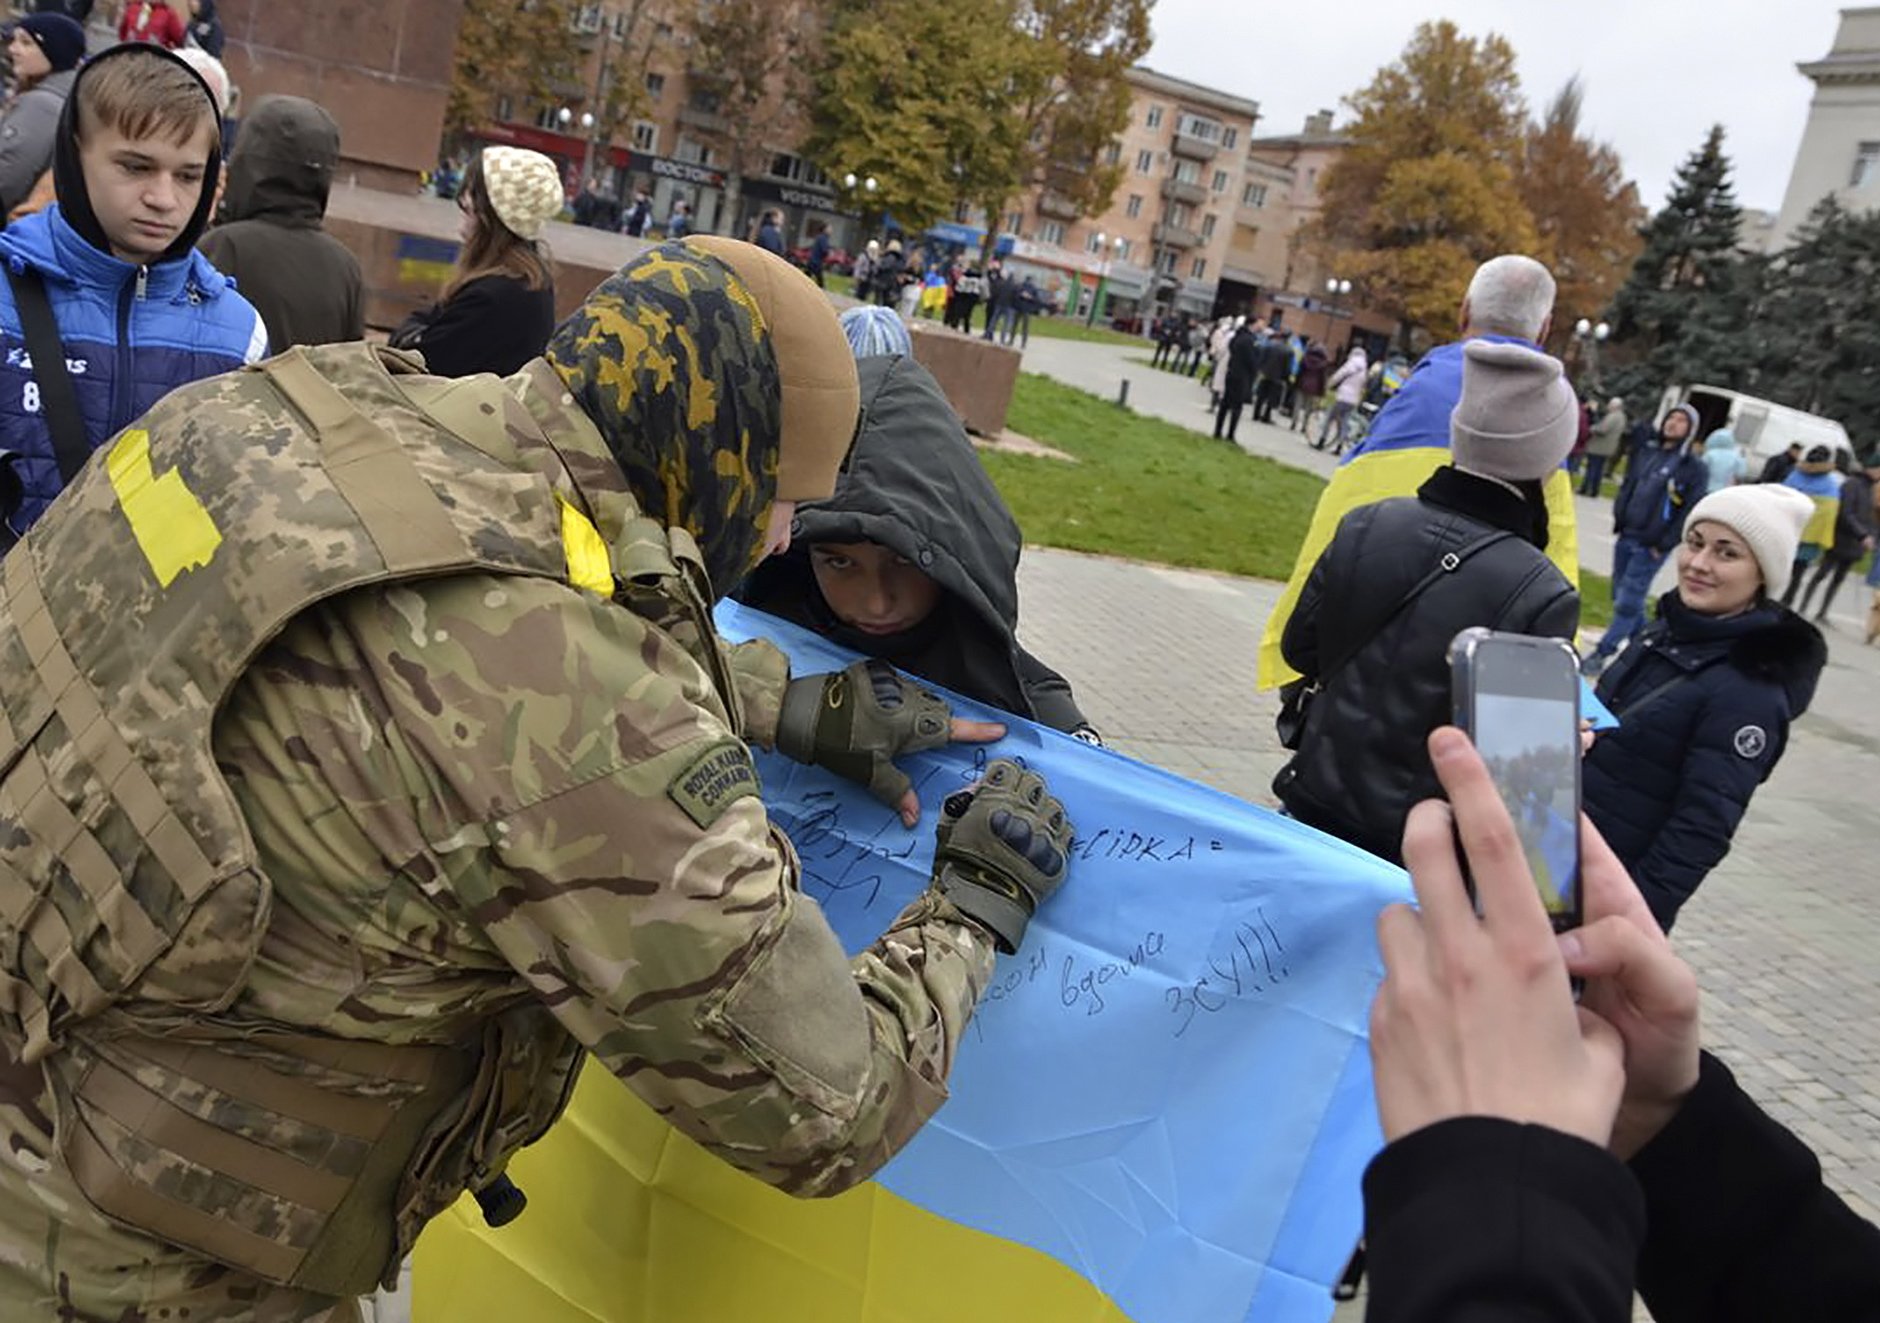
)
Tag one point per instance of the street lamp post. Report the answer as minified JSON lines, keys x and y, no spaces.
{"x":1589,"y":338}
{"x":868,"y":186}
{"x":1107,"y":250}
{"x":1335,"y":290}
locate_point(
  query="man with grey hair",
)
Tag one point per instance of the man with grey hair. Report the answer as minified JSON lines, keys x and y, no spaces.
{"x":1510,"y":300}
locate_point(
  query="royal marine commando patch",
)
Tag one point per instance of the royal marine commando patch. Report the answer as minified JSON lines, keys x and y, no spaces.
{"x":714,"y":781}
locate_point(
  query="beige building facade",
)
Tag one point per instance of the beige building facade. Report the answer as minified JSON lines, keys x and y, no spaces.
{"x":1840,"y":150}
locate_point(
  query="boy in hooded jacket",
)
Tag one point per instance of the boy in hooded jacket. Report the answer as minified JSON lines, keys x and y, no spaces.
{"x":138,"y":310}
{"x":305,"y":282}
{"x":915,"y":558}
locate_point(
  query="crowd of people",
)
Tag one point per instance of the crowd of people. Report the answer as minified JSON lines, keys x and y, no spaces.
{"x":366,"y":721}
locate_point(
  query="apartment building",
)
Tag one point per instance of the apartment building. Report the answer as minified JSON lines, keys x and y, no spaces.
{"x":1162,"y":243}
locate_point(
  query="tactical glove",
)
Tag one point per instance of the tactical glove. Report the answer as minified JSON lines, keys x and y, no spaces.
{"x":856,"y":721}
{"x":1002,"y":849}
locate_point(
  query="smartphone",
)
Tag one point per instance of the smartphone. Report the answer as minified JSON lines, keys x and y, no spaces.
{"x":1518,"y":697}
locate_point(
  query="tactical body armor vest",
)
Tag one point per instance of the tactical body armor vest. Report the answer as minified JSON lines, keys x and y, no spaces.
{"x":131,"y":901}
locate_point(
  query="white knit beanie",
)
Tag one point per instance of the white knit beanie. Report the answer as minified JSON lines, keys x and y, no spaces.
{"x":1517,"y":417}
{"x":524,"y":187}
{"x":1769,"y":517}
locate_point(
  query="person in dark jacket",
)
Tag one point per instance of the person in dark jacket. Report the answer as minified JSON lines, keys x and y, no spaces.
{"x":1855,"y":529}
{"x":499,"y":308}
{"x":639,"y":215}
{"x":817,"y":261}
{"x":1401,"y":578}
{"x":1314,"y":368}
{"x":205,"y":26}
{"x":1237,"y":382}
{"x":1544,"y":1159}
{"x":1705,"y":696}
{"x":769,"y":233}
{"x":915,"y":558}
{"x":45,"y":50}
{"x":1662,"y":482}
{"x":890,"y":273}
{"x":595,"y":210}
{"x":305,"y":282}
{"x":1780,"y":466}
{"x":1275,"y":366}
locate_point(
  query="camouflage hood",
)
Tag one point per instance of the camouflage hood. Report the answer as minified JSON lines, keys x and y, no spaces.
{"x":671,"y":358}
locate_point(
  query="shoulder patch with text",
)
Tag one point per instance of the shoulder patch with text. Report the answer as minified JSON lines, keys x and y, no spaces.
{"x":714,"y":781}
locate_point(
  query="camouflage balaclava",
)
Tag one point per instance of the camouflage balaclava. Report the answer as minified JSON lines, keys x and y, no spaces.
{"x":671,"y":358}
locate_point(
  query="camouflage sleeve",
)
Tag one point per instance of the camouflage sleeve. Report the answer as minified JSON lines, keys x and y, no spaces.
{"x":623,"y":864}
{"x":761,"y":673}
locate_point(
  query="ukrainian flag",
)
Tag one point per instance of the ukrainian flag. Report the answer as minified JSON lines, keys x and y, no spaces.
{"x":1824,"y":489}
{"x":1408,"y":442}
{"x":1160,"y":1113}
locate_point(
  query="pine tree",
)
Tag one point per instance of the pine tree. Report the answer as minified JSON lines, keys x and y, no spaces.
{"x":1821,"y":321}
{"x":1689,"y":283}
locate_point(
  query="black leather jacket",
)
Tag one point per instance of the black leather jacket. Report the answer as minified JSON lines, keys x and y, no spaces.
{"x":1362,"y":762}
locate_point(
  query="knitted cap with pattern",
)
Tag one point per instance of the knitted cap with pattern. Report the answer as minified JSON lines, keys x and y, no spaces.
{"x":524,"y":189}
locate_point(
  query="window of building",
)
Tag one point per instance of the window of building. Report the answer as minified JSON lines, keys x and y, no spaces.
{"x":1051,"y":232}
{"x":1015,"y":222}
{"x":588,"y":19}
{"x":548,"y":117}
{"x":505,"y":109}
{"x":646,"y":137}
{"x":1165,"y":261}
{"x":1229,"y":138}
{"x":704,"y":101}
{"x":1145,"y":162}
{"x":1200,"y":268}
{"x":656,"y":85}
{"x":1187,"y":172}
{"x":1220,"y":181}
{"x":1253,"y":195}
{"x":1122,"y":249}
{"x":798,"y":170}
{"x":1866,"y":166}
{"x":1095,"y":242}
{"x":1180,"y":214}
{"x":1154,"y":119}
{"x":1134,"y":209}
{"x":693,"y":152}
{"x":1199,"y":126}
{"x":1113,"y":153}
{"x":1207,"y":226}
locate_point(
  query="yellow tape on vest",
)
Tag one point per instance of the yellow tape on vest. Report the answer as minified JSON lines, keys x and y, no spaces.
{"x":170,"y":524}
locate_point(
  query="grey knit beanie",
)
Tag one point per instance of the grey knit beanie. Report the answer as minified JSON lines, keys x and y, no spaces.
{"x":1517,"y":417}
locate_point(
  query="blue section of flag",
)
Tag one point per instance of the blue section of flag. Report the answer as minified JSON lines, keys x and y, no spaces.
{"x":1168,"y":1088}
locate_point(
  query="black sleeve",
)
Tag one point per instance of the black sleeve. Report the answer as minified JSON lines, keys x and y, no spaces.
{"x":1487,"y":1221}
{"x":1052,"y":702}
{"x":1742,"y":1228}
{"x":457,"y":339}
{"x":1299,"y":641}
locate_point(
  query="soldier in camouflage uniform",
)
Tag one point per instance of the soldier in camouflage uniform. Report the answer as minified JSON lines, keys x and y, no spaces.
{"x":367,"y":757}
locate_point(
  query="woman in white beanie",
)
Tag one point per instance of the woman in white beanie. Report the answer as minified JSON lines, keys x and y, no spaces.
{"x":499,"y":307}
{"x":1705,"y":695}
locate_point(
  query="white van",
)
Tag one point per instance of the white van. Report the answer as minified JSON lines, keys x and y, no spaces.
{"x":1763,"y":428}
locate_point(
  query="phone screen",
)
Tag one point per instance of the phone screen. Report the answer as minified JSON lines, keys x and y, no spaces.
{"x":1526,"y":725}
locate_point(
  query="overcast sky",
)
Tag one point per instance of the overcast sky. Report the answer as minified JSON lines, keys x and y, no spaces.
{"x":1658,"y":73}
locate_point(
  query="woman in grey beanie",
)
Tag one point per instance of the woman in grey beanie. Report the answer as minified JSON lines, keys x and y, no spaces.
{"x":1402,"y":578}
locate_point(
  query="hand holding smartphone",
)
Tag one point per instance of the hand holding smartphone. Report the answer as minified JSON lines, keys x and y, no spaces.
{"x":1518,"y":697}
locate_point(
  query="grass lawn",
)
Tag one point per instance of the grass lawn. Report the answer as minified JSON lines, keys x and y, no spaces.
{"x":1071,"y":328}
{"x":1148,"y":490}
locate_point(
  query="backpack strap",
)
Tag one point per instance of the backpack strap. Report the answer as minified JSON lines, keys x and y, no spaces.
{"x":1448,"y":564}
{"x":57,"y":399}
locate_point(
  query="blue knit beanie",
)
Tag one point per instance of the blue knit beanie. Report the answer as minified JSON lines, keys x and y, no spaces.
{"x":874,"y":331}
{"x":60,"y":37}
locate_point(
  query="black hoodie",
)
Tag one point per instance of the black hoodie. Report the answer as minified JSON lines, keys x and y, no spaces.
{"x":914,"y":485}
{"x":306,"y":283}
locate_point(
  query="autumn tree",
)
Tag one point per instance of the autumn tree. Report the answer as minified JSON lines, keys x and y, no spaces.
{"x":1586,"y":212}
{"x":1429,"y":186}
{"x":1073,"y":98}
{"x":917,"y":95}
{"x":749,"y":75}
{"x":524,"y":48}
{"x":1670,"y":318}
